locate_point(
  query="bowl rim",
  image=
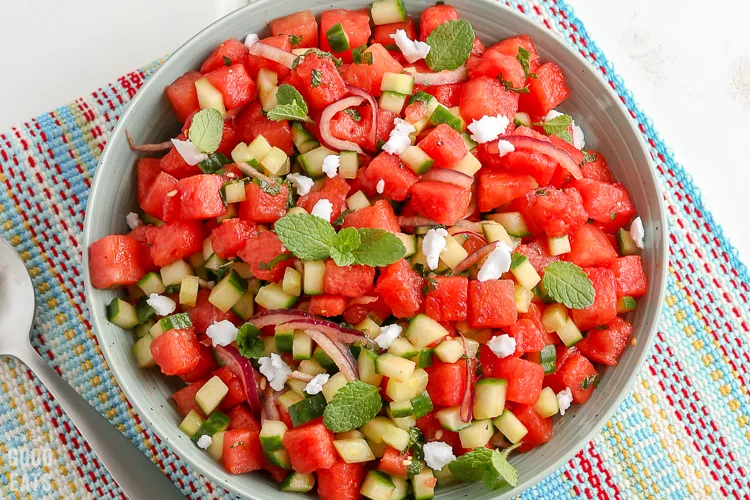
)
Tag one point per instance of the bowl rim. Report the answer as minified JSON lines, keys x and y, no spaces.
{"x":648,"y":334}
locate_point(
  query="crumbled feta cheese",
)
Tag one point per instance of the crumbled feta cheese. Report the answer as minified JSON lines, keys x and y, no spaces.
{"x":387,"y":335}
{"x":133,"y":220}
{"x":222,"y":333}
{"x":161,"y":304}
{"x":302,"y":183}
{"x":637,"y":232}
{"x":314,"y":386}
{"x":399,"y":138}
{"x":323,"y":209}
{"x":497,"y":263}
{"x":564,"y":398}
{"x":552,"y":114}
{"x":206,"y":284}
{"x":502,"y":345}
{"x":438,"y":454}
{"x":380,"y":186}
{"x":504,"y":147}
{"x":250,"y":39}
{"x":189,"y":152}
{"x":488,"y":128}
{"x":204,"y":441}
{"x":331,"y":165}
{"x":578,"y":140}
{"x":433,"y":244}
{"x":412,"y":50}
{"x":275,"y":370}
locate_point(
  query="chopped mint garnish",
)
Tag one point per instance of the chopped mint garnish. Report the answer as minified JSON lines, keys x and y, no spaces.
{"x":206,"y":130}
{"x":566,"y":283}
{"x":290,"y":105}
{"x":450,"y":45}
{"x":353,"y":406}
{"x":249,"y":343}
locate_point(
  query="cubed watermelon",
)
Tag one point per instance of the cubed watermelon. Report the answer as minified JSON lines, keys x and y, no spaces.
{"x":528,"y":336}
{"x":319,"y":81}
{"x":539,"y":429}
{"x":236,"y":394}
{"x":397,"y":178}
{"x":498,"y":188}
{"x":230,"y":237}
{"x":486,"y":96}
{"x":446,"y":382}
{"x":444,"y":145}
{"x":205,"y":366}
{"x":310,"y":447}
{"x":604,"y":308}
{"x":200,"y":197}
{"x":255,"y":63}
{"x":380,"y":215}
{"x":115,"y":261}
{"x":368,"y":77}
{"x":630,"y":279}
{"x":524,"y":377}
{"x":234,"y":83}
{"x":580,"y":375}
{"x":161,"y":200}
{"x":242,"y":451}
{"x":350,"y":281}
{"x":204,"y":314}
{"x":328,"y":305}
{"x":260,"y":251}
{"x":185,"y":398}
{"x":232,"y":49}
{"x":341,"y":481}
{"x":356,"y":25}
{"x":440,"y":201}
{"x":252,"y":122}
{"x":302,"y":25}
{"x":606,"y":345}
{"x":182,"y":95}
{"x":176,"y":351}
{"x":447,"y":298}
{"x":261,"y":206}
{"x":491,"y":304}
{"x":176,"y":240}
{"x":546,"y":91}
{"x":242,"y":418}
{"x":334,"y":190}
{"x":589,"y":247}
{"x":401,"y":288}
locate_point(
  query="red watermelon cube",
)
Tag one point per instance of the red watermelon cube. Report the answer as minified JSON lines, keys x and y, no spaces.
{"x":524,"y":377}
{"x":176,"y":240}
{"x":350,"y":281}
{"x":539,"y":429}
{"x":589,"y":247}
{"x":262,"y":207}
{"x":328,"y":305}
{"x":242,"y":451}
{"x":605,"y":346}
{"x":397,"y":178}
{"x":234,"y":83}
{"x":342,"y":481}
{"x":231,"y":236}
{"x":401,"y":288}
{"x":200,"y":197}
{"x":115,"y":260}
{"x":260,"y":251}
{"x":630,"y":279}
{"x":498,"y":188}
{"x":380,"y":215}
{"x":546,"y":91}
{"x":446,"y":382}
{"x":176,"y":351}
{"x":604,"y":308}
{"x":447,"y":298}
{"x":334,"y":190}
{"x":491,"y":304}
{"x":444,"y":145}
{"x":442,"y":202}
{"x":310,"y":447}
{"x":182,"y":95}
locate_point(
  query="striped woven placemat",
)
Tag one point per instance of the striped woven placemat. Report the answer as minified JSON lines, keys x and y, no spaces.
{"x":683,"y":432}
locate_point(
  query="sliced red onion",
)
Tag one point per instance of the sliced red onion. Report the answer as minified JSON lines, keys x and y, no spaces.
{"x":275,"y":54}
{"x":467,"y":403}
{"x":325,"y":124}
{"x":457,"y":75}
{"x":468,"y":233}
{"x":189,"y":152}
{"x":467,"y":224}
{"x":339,"y":353}
{"x":331,"y":330}
{"x":448,"y":176}
{"x":374,"y":104}
{"x":547,"y":149}
{"x":270,"y":409}
{"x":252,"y":172}
{"x":276,"y":317}
{"x":147,"y":148}
{"x":416,"y":221}
{"x":472,"y":204}
{"x":304,"y":377}
{"x":365,"y":299}
{"x":241,"y":368}
{"x":474,"y":258}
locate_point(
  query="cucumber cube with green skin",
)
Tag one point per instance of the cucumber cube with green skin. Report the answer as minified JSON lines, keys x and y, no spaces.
{"x":272,"y":296}
{"x":375,"y":428}
{"x":301,"y":346}
{"x":292,"y":282}
{"x":172,"y":274}
{"x":314,"y":276}
{"x":395,"y":437}
{"x":312,"y":161}
{"x":468,"y":165}
{"x":410,"y":243}
{"x":522,"y":119}
{"x":245,"y":307}
{"x":216,"y":449}
{"x":366,"y":365}
{"x":240,"y":154}
{"x":284,"y":339}
{"x":547,"y":404}
{"x":308,"y":409}
{"x":215,"y":264}
{"x":348,"y":164}
{"x":276,"y":162}
{"x":424,"y":358}
{"x":369,"y":327}
{"x":494,"y":231}
{"x":151,"y":283}
{"x":259,"y":148}
{"x":143,"y":329}
{"x":444,"y":476}
{"x":510,"y":426}
{"x":357,"y":200}
{"x":271,"y":435}
{"x":210,"y":396}
{"x":421,"y":405}
{"x":401,"y":490}
{"x":122,"y":314}
{"x":403,"y":348}
{"x":333,"y":385}
{"x":301,"y":138}
{"x":298,"y":483}
{"x":401,"y":409}
{"x":554,"y":317}
{"x":470,"y":143}
{"x":569,"y":333}
{"x":209,"y":96}
{"x":626,"y":304}
{"x":228,"y":291}
{"x":175,"y":321}
{"x":311,"y":367}
{"x":489,"y":397}
{"x":423,"y":331}
{"x":325,"y":360}
{"x":522,"y":297}
{"x":547,"y":357}
{"x":401,"y":391}
{"x":558,"y":246}
{"x":288,"y":399}
{"x":377,"y":485}
{"x":279,"y":458}
{"x":234,"y":192}
{"x":353,"y":451}
{"x":443,"y":115}
{"x":298,"y":386}
{"x":416,"y":159}
{"x":144,"y":311}
{"x":216,"y":422}
{"x":142,"y":352}
{"x":189,"y":290}
{"x":454,"y":252}
{"x":394,"y":367}
{"x":405,"y":423}
{"x":337,"y":38}
{"x":423,"y":485}
{"x":625,"y":243}
{"x":450,"y":418}
{"x":523,"y":271}
{"x":397,"y":82}
{"x":378,"y":449}
{"x":540,"y":292}
{"x":513,"y":223}
{"x":449,"y":351}
{"x":191,"y":423}
{"x":392,"y":101}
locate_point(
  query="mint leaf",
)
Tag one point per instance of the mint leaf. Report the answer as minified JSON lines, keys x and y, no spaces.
{"x":591,"y":380}
{"x":206,"y":130}
{"x":566,"y":283}
{"x":378,"y":248}
{"x":306,"y":236}
{"x":248,"y":341}
{"x":501,"y":470}
{"x":227,"y":61}
{"x":353,"y":406}
{"x":290,"y":105}
{"x":346,"y":241}
{"x":588,"y":157}
{"x":295,"y":40}
{"x":471,"y":467}
{"x":558,"y":126}
{"x":267,"y":266}
{"x":510,"y":88}
{"x":359,"y":56}
{"x":353,"y":113}
{"x":450,"y":45}
{"x":342,"y":259}
{"x":267,"y":187}
{"x":316,"y":79}
{"x":523,"y":57}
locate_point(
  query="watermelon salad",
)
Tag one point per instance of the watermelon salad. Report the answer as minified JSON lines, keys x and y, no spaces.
{"x":376,"y":254}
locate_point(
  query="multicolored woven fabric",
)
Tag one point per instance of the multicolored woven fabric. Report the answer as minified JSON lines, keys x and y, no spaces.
{"x":683,"y":432}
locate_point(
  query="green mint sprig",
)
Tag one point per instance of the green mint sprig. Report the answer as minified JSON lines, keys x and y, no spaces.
{"x":523,"y":57}
{"x":450,"y":45}
{"x":290,"y":105}
{"x":206,"y":130}
{"x":566,"y":283}
{"x":353,"y":406}
{"x":489,"y":466}
{"x":359,"y":56}
{"x":249,"y":343}
{"x":558,"y":126}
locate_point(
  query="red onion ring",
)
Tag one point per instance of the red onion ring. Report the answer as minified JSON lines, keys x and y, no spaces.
{"x":270,"y":409}
{"x":457,"y":75}
{"x":547,"y":149}
{"x":252,"y":172}
{"x":333,"y":331}
{"x":448,"y":176}
{"x":148,"y":148}
{"x":276,"y":317}
{"x":467,"y":224}
{"x":275,"y":54}
{"x":467,"y":403}
{"x":338,"y":352}
{"x":416,"y":221}
{"x":304,"y":377}
{"x":325,"y":124}
{"x":470,"y":233}
{"x":374,"y":105}
{"x":241,"y":368}
{"x":474,"y":258}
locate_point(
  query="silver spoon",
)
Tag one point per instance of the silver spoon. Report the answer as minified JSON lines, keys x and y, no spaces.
{"x":138,"y":477}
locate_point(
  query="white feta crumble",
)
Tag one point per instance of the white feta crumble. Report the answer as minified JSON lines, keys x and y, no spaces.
{"x":551,"y":115}
{"x":438,"y":454}
{"x":637,"y":232}
{"x":497,"y":263}
{"x":504,"y":147}
{"x":204,"y":441}
{"x":399,"y":138}
{"x":133,"y":220}
{"x":222,"y":332}
{"x":323,"y":209}
{"x":206,"y":284}
{"x":502,"y":345}
{"x":302,"y":183}
{"x":433,"y":244}
{"x":161,"y":304}
{"x":488,"y":128}
{"x":275,"y":370}
{"x":578,"y":139}
{"x":314,"y":386}
{"x":380,"y":186}
{"x":387,"y":335}
{"x":189,"y":152}
{"x":331,"y":165}
{"x":412,"y":50}
{"x":564,"y":398}
{"x":250,"y":39}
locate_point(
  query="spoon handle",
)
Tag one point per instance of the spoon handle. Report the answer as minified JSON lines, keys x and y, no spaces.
{"x":138,"y":477}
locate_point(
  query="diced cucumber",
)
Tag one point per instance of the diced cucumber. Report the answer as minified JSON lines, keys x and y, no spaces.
{"x":554,"y":317}
{"x":259,"y":148}
{"x":416,"y":159}
{"x":468,"y":165}
{"x":284,"y":339}
{"x":311,"y":367}
{"x":402,"y":83}
{"x":297,"y":482}
{"x":424,"y":358}
{"x":352,"y":434}
{"x":176,"y":321}
{"x":269,"y":344}
{"x":546,"y":405}
{"x":211,"y":395}
{"x":489,"y":399}
{"x":375,"y":428}
{"x":392,"y":101}
{"x":191,"y":423}
{"x":234,"y":192}
{"x":122,"y":314}
{"x":510,"y":426}
{"x":366,"y":365}
{"x":454,"y":253}
{"x":314,"y":276}
{"x":558,"y":246}
{"x":395,"y":437}
{"x":216,"y":449}
{"x":348,"y":164}
{"x":279,"y":458}
{"x":388,"y":11}
{"x":569,"y":333}
{"x":268,"y":100}
{"x":394,"y":367}
{"x":302,"y":138}
{"x":423,"y":485}
{"x":377,"y":485}
{"x":405,"y":423}
{"x":245,"y":307}
{"x":312,"y":161}
{"x":172,"y":274}
{"x":243,"y":269}
{"x":216,"y":422}
{"x":625,"y":243}
{"x":410,"y":243}
{"x":271,"y":435}
{"x":423,"y":331}
{"x":378,"y":449}
{"x":401,"y":490}
{"x":522,"y":298}
{"x":276,"y":162}
{"x":449,"y":351}
{"x":307,"y":409}
{"x":421,"y":405}
{"x":292,"y":283}
{"x":513,"y":223}
{"x":444,"y":476}
{"x":522,"y":120}
{"x":267,"y":79}
{"x":196,"y":260}
{"x":301,"y":345}
{"x":547,"y":357}
{"x":142,"y":352}
{"x":370,"y":327}
{"x":288,"y":399}
{"x":215,"y":264}
{"x":470,"y":143}
{"x":494,"y":231}
{"x":333,"y":385}
{"x":626,"y":304}
{"x":151,"y":283}
{"x":401,"y":391}
{"x":298,"y":386}
{"x":143,"y":329}
{"x":209,"y":96}
{"x":401,"y":409}
{"x":477,"y":434}
{"x":228,"y":291}
{"x":444,"y":115}
{"x":357,"y":200}
{"x":472,"y":348}
{"x":189,"y":290}
{"x":240,"y":154}
{"x":403,"y":348}
{"x":523,"y":271}
{"x":353,"y":451}
{"x":450,"y":418}
{"x":207,"y":249}
{"x":272,"y":296}
{"x":337,"y":38}
{"x":324,"y":360}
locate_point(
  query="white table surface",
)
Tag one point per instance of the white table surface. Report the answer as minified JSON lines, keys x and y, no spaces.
{"x":687,"y":63}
